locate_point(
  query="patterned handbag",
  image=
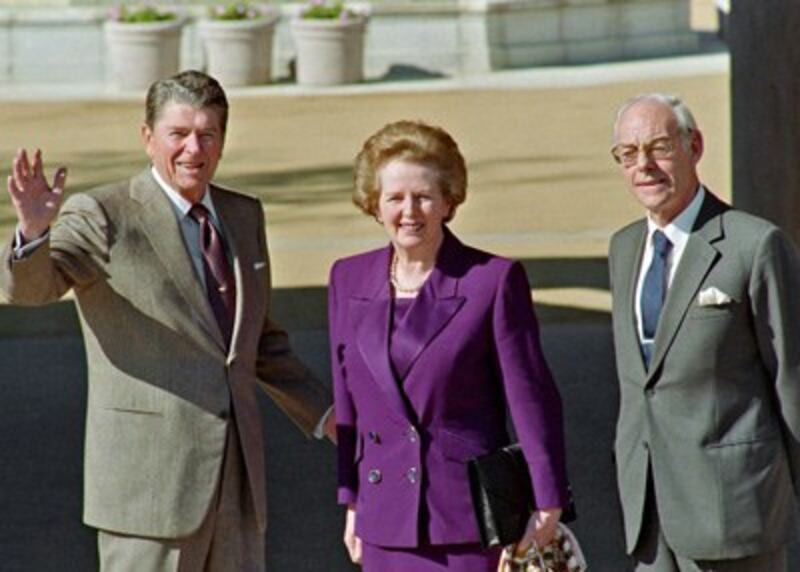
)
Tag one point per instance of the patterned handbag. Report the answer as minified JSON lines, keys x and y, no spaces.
{"x":563,"y":554}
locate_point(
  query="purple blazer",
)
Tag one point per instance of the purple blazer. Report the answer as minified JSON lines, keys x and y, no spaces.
{"x":473,"y":345}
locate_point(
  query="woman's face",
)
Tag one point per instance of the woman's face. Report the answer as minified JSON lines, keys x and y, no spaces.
{"x":411,"y":206}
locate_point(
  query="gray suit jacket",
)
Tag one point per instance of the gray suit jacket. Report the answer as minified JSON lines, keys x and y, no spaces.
{"x":716,"y":419}
{"x":162,"y":387}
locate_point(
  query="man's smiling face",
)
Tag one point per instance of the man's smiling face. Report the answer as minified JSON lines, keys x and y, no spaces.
{"x":663,"y":177}
{"x":185,"y":145}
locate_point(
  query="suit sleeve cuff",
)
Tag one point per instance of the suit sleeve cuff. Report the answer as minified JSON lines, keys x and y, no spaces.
{"x":22,"y":249}
{"x":319,"y":430}
{"x":347,"y":496}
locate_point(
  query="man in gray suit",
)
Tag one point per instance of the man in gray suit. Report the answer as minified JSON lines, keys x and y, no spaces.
{"x":706,"y":312}
{"x":171,"y":277}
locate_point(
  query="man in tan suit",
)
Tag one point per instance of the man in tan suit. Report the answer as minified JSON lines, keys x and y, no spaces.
{"x":706,"y":319}
{"x":171,"y":276}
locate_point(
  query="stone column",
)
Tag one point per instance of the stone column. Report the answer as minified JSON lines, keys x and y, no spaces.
{"x":765,"y":90}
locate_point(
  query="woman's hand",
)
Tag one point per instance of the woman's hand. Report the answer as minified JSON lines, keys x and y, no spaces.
{"x":541,"y":529}
{"x":351,"y":541}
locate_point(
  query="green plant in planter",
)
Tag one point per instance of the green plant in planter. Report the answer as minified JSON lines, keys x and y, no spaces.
{"x":329,"y":10}
{"x":236,"y":11}
{"x":140,"y":14}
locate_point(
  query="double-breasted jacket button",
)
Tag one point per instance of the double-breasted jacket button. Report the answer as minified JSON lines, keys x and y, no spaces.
{"x":374,"y":437}
{"x":374,"y":476}
{"x":412,"y":434}
{"x":412,"y":475}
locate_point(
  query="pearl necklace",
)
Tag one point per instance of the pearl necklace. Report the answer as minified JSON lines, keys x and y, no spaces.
{"x":396,"y":283}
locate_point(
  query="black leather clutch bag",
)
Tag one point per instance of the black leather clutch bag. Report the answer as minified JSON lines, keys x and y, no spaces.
{"x":503,"y":496}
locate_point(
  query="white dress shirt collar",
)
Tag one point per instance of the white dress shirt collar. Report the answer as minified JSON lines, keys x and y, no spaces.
{"x":679,"y":229}
{"x":678,"y":232}
{"x":181,"y":204}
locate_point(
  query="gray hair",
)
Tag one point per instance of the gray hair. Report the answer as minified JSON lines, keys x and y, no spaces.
{"x":189,"y":87}
{"x":683,"y":115}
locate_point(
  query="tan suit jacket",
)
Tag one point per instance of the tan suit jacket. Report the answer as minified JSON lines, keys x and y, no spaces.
{"x":716,"y":417}
{"x":162,"y":387}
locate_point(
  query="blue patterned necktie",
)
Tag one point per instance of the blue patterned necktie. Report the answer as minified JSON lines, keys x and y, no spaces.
{"x":654,"y":291}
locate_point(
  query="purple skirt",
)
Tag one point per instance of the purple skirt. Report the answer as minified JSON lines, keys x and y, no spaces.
{"x":430,"y":558}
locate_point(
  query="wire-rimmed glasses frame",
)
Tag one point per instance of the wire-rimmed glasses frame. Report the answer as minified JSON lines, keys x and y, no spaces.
{"x":660,"y":148}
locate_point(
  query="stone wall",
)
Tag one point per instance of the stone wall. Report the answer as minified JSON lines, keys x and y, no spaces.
{"x":521,"y":33}
{"x":65,"y":44}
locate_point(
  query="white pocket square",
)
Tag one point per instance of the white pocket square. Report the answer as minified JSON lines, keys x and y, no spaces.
{"x":259,"y":265}
{"x":713,"y":296}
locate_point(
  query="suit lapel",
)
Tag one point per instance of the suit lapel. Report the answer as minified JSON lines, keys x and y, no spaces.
{"x":429,"y":315}
{"x":372,"y":331}
{"x":435,"y":305}
{"x":631,"y":257}
{"x":231,"y":221}
{"x":697,"y":260}
{"x":158,"y":222}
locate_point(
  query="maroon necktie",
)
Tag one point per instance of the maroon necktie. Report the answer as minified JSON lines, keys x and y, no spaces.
{"x":220,"y":285}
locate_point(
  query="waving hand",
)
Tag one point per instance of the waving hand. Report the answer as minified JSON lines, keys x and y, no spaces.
{"x":35,"y":201}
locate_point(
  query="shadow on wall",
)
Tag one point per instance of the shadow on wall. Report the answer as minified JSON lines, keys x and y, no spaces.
{"x":306,"y":308}
{"x":585,"y":272}
{"x":403,"y":72}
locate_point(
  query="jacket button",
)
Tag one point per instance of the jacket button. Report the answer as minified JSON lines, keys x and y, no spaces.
{"x":374,"y":476}
{"x":412,"y":434}
{"x":374,"y":437}
{"x":411,"y":475}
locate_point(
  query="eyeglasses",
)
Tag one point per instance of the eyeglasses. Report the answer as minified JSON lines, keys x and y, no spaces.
{"x":627,"y":155}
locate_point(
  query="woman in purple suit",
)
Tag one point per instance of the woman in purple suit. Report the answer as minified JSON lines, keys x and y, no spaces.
{"x":429,"y":340}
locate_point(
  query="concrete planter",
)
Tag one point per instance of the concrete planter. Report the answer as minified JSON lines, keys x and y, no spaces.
{"x":238,"y":52}
{"x":329,"y":52}
{"x":140,"y":54}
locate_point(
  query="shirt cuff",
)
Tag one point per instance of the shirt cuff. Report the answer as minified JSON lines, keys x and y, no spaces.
{"x":319,"y":430}
{"x":21,"y":248}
